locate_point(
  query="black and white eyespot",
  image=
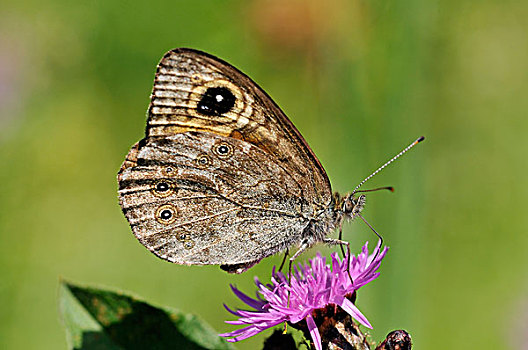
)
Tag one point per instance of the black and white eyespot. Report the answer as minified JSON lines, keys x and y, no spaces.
{"x":163,"y":188}
{"x":203,"y":161}
{"x":182,"y":237}
{"x":216,"y":101}
{"x":188,"y":244}
{"x":166,"y":214}
{"x":223,"y":150}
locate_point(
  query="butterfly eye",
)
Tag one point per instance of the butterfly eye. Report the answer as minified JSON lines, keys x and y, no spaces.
{"x":166,"y":214}
{"x":163,"y":188}
{"x":188,"y":244}
{"x":216,"y":101}
{"x":223,"y":150}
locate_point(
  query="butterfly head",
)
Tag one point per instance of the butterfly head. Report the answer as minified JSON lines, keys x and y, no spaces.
{"x":351,"y":206}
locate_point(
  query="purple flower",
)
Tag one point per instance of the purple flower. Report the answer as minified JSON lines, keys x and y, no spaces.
{"x":313,"y":286}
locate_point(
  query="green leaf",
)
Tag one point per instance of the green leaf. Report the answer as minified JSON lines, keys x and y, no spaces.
{"x":101,"y":319}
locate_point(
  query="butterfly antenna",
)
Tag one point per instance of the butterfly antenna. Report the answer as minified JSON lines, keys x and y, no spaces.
{"x":420,"y":139}
{"x":390,"y":188}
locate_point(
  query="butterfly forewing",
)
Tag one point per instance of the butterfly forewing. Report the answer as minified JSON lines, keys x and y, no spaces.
{"x":186,"y":79}
{"x":201,"y":198}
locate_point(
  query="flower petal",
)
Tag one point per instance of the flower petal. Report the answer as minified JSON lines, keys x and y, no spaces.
{"x":349,"y":307}
{"x":314,"y":332}
{"x":256,"y":304}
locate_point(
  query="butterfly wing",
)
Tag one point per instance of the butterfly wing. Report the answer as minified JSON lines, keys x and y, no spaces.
{"x":199,"y":198}
{"x":194,"y":91}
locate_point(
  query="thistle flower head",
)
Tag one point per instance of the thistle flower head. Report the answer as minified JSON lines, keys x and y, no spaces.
{"x":313,"y":286}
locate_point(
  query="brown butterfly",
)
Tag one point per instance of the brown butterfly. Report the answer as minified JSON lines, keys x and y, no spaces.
{"x":222,"y":176}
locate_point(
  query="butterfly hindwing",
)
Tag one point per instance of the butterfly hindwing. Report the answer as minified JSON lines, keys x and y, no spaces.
{"x":202,"y":198}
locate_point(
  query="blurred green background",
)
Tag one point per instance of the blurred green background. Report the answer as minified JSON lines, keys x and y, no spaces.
{"x":360,"y":79}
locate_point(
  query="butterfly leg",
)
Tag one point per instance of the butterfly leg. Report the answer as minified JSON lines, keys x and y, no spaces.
{"x":304,"y":246}
{"x":340,"y":239}
{"x":343,"y":252}
{"x":341,"y":243}
{"x":284,"y":259}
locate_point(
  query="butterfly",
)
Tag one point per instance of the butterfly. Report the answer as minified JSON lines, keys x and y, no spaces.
{"x":222,"y":176}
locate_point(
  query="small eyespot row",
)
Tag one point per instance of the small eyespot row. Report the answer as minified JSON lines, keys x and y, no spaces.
{"x":182,"y":237}
{"x":223,"y":150}
{"x":188,"y":244}
{"x":163,"y":188}
{"x":203,"y":161}
{"x":166,"y":214}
